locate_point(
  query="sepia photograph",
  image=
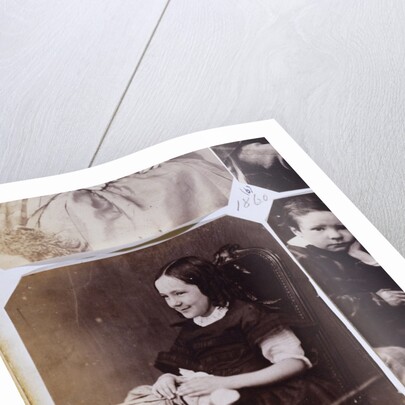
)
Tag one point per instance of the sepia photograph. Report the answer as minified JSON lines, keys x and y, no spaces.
{"x":123,"y":211}
{"x":256,"y":162}
{"x":346,"y":272}
{"x":218,"y":315}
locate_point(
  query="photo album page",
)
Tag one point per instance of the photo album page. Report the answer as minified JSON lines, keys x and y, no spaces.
{"x":221,"y":267}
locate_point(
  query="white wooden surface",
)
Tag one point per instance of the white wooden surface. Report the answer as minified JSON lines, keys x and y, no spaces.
{"x":329,"y":71}
{"x":64,"y":65}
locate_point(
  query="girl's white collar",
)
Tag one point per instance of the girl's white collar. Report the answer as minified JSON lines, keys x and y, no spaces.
{"x":217,"y":314}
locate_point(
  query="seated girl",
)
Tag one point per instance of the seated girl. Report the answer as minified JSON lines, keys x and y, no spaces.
{"x":226,"y":343}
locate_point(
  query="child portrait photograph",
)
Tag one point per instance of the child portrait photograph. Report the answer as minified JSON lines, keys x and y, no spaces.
{"x":220,"y":314}
{"x":346,"y":272}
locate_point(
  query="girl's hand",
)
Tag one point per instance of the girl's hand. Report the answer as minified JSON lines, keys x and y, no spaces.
{"x":196,"y":386}
{"x":165,"y":386}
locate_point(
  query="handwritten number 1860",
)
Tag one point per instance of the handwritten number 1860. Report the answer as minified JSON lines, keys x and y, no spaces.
{"x":251,"y":199}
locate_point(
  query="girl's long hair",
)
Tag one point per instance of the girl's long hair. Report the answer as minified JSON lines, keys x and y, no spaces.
{"x":205,"y":275}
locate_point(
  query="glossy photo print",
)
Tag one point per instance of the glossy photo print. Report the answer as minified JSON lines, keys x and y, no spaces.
{"x":346,"y":272}
{"x":221,"y":311}
{"x":256,"y":162}
{"x":119,"y":212}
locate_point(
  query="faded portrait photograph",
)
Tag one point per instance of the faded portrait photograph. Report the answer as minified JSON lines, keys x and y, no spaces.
{"x":123,"y":211}
{"x":218,"y":315}
{"x":256,"y":162}
{"x":346,"y":272}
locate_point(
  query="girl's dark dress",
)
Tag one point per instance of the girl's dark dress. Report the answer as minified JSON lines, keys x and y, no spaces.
{"x":230,"y":346}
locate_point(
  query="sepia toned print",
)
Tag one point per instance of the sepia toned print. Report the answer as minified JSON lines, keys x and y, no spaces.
{"x":256,"y":162}
{"x":123,"y":211}
{"x":347,"y":273}
{"x":217,"y":347}
{"x":99,"y":330}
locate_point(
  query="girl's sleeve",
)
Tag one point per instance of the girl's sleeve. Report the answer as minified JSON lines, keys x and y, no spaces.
{"x":257,"y":322}
{"x":274,"y":337}
{"x":282,"y":344}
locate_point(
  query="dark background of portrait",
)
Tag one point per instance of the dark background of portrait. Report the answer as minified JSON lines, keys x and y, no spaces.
{"x":276,"y":219}
{"x":278,"y":177}
{"x":94,"y":329}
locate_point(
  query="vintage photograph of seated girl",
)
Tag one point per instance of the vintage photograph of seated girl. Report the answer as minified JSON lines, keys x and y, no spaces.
{"x":218,"y":315}
{"x":227,"y":347}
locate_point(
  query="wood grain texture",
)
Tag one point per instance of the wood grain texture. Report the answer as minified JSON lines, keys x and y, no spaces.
{"x":63,"y":69}
{"x":330,"y":72}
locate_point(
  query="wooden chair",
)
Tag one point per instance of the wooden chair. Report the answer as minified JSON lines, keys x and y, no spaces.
{"x":329,"y":345}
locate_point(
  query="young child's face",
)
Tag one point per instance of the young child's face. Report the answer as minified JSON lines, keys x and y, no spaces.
{"x":184,"y":298}
{"x":324,"y":231}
